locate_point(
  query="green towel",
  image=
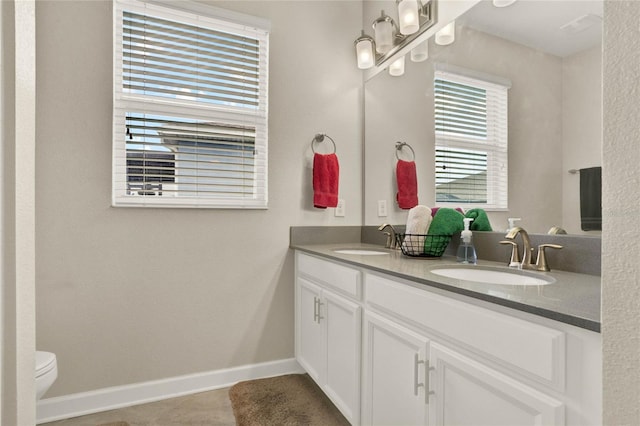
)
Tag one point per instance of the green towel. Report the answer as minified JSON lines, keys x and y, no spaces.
{"x":446,"y":222}
{"x":480,"y":220}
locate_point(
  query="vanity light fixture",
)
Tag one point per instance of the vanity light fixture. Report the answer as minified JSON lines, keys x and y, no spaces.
{"x":408,"y":16}
{"x":503,"y":3}
{"x":396,"y":69}
{"x":420,"y":52}
{"x":365,"y":51}
{"x":383,"y":29}
{"x":446,"y":35}
{"x":416,"y":16}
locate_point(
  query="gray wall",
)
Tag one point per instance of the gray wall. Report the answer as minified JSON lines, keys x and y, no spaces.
{"x":581,"y":128}
{"x":129,"y":295}
{"x":621,"y":198}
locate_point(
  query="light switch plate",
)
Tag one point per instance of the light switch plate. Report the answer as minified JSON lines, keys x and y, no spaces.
{"x":382,"y":208}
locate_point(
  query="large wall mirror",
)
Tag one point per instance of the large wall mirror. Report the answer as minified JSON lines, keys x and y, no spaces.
{"x":551,"y":53}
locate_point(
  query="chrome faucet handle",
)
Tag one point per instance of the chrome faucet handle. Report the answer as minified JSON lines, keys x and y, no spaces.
{"x":515,"y":255}
{"x":541,"y":261}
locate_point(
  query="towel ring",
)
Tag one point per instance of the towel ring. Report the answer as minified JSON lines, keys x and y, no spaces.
{"x":320,"y":138}
{"x":400,"y":145}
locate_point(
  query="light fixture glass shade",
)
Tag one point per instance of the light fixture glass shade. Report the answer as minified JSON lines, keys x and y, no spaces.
{"x":364,"y":52}
{"x":420,"y":52}
{"x":408,"y":16}
{"x":503,"y":3}
{"x":396,"y":69}
{"x":447,"y":35}
{"x":383,"y":28}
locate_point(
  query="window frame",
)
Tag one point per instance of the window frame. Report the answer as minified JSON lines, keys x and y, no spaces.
{"x":123,"y":103}
{"x":494,"y":144}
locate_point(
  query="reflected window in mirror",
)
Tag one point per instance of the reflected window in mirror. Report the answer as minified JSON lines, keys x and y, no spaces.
{"x":471,"y":139}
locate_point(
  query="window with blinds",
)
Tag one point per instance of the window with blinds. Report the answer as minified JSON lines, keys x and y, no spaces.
{"x":471,"y":141}
{"x":190,"y":109}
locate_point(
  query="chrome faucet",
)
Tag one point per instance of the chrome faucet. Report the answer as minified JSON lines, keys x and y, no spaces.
{"x":527,"y":251}
{"x":391,"y":235}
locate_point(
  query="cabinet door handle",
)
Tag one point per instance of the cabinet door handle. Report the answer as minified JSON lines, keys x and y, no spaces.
{"x":315,"y":309}
{"x":416,"y":365}
{"x":427,"y":384}
{"x":320,"y":317}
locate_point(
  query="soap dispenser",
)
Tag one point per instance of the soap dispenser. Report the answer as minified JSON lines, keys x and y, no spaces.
{"x":512,"y":222}
{"x":466,"y":250}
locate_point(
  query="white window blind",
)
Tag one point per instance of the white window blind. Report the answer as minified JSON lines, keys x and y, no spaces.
{"x":471,"y":141}
{"x":190,"y":109}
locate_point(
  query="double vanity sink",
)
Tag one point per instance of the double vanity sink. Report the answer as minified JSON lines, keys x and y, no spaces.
{"x":568,"y":297}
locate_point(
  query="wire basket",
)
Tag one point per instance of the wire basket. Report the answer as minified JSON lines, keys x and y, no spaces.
{"x":419,"y":245}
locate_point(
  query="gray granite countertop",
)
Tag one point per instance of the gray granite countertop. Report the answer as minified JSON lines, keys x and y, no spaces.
{"x":573,"y":298}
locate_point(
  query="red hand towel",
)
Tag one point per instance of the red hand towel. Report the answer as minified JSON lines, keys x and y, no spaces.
{"x":407,"y":195}
{"x":326,"y":172}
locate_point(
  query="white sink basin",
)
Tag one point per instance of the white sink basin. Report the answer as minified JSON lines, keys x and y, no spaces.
{"x":493,"y":276}
{"x":365,"y":252}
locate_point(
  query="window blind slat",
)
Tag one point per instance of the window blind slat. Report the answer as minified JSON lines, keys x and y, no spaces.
{"x":241,"y":87}
{"x":145,"y":35}
{"x":176,"y":27}
{"x":162,"y":52}
{"x":172,"y":66}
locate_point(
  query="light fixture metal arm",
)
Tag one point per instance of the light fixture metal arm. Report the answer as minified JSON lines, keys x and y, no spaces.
{"x":428,"y":18}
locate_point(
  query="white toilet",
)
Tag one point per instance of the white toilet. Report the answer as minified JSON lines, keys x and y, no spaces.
{"x":46,"y":372}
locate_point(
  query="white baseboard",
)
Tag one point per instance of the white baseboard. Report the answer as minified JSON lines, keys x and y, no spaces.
{"x":79,"y":404}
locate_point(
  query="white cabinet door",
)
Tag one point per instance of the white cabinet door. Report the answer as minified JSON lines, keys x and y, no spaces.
{"x":310,"y":347}
{"x":395,"y":374}
{"x":342,"y":320}
{"x":328,"y":344}
{"x":466,"y":392}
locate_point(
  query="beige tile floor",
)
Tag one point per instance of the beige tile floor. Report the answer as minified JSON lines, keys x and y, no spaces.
{"x":211,"y":408}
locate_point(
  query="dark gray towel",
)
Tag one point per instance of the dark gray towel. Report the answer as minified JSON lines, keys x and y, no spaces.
{"x":591,"y":198}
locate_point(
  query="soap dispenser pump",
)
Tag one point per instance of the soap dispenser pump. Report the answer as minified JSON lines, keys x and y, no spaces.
{"x":466,"y":250}
{"x":512,"y":222}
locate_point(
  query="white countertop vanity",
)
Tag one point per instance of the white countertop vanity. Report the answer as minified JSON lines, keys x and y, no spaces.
{"x":390,"y":342}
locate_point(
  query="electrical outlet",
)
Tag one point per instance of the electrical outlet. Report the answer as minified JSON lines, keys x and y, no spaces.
{"x":340,"y":208}
{"x":382,"y":208}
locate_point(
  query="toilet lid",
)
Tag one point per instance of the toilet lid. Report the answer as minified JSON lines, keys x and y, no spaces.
{"x":45,"y":362}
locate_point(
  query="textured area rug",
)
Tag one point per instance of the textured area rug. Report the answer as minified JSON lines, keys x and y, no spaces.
{"x":293,"y":399}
